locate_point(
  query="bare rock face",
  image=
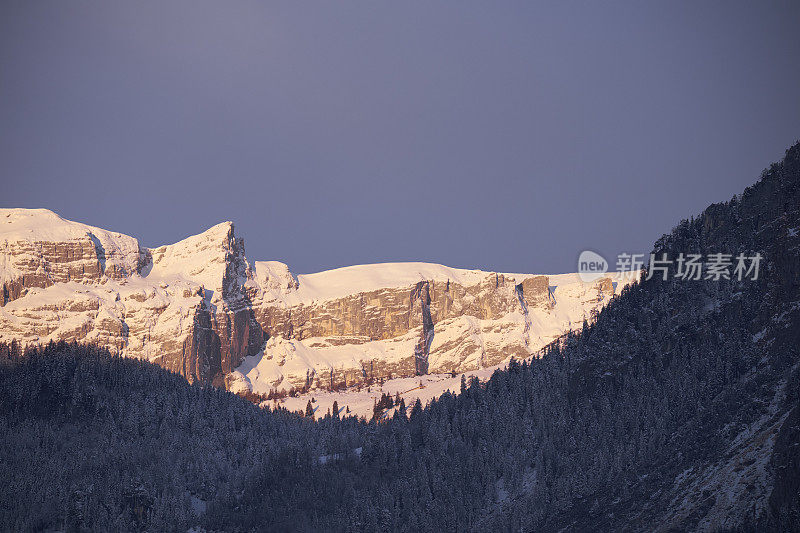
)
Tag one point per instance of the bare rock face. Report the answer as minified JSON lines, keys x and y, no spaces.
{"x":369,"y":323}
{"x":536,"y":290}
{"x":422,"y":295}
{"x":40,"y":249}
{"x":183,"y":306}
{"x":219,"y":328}
{"x":199,"y":308}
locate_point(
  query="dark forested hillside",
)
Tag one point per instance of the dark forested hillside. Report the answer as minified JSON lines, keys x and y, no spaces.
{"x":678,"y":409}
{"x":93,"y":441}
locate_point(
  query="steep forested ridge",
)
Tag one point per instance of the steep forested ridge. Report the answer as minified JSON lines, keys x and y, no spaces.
{"x":676,"y":410}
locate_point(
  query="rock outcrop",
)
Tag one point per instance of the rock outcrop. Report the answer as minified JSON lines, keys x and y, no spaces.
{"x":183,"y":306}
{"x":367,"y":323}
{"x":40,"y":250}
{"x":199,"y":308}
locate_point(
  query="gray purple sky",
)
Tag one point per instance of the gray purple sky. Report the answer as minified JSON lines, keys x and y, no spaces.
{"x":497,"y":135}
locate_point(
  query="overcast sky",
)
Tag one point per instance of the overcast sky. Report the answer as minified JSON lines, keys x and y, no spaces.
{"x":496,"y":135}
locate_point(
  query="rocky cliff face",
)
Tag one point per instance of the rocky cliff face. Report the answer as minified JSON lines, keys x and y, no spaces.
{"x":182,"y":306}
{"x":367,"y":323}
{"x":39,"y":250}
{"x":199,"y":308}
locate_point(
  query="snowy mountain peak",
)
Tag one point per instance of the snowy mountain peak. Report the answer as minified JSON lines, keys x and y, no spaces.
{"x":45,"y":249}
{"x":199,"y":308}
{"x":210,"y":259}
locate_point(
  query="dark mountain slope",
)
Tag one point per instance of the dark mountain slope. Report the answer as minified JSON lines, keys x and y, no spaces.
{"x":677,"y":409}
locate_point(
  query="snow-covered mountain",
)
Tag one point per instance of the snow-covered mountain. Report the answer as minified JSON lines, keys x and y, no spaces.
{"x":181,"y":306}
{"x":200,"y":308}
